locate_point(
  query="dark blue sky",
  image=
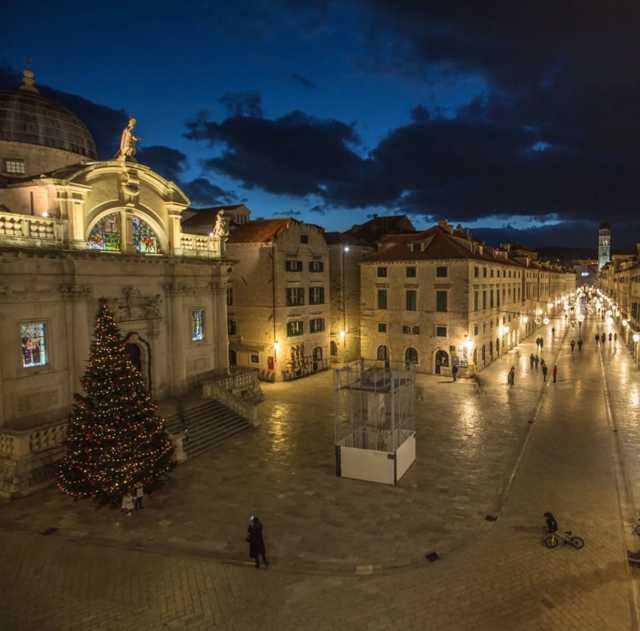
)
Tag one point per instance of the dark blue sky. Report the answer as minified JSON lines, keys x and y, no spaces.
{"x":512,"y":116}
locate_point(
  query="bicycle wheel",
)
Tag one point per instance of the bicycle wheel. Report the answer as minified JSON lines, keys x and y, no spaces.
{"x":551,"y":541}
{"x":577,"y":542}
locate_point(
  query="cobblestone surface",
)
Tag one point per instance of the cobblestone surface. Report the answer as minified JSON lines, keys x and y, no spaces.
{"x":491,"y":575}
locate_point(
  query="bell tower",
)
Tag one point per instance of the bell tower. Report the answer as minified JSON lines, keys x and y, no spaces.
{"x":604,"y":245}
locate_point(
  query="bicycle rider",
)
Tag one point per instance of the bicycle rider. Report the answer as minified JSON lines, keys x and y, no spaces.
{"x":551,"y":523}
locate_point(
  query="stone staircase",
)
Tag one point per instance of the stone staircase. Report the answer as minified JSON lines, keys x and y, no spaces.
{"x":207,"y":424}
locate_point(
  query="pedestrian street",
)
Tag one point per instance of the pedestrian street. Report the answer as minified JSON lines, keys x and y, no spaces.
{"x":344,"y":552}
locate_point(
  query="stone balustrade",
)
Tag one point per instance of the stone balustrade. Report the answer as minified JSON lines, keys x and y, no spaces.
{"x":240,"y":391}
{"x":30,"y":230}
{"x":198,"y":245}
{"x":28,"y":457}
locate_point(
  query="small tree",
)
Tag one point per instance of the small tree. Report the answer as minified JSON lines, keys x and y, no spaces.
{"x":114,"y":438}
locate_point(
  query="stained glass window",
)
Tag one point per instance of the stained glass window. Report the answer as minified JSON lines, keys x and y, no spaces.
{"x":197,"y":324}
{"x":33,"y":344}
{"x":143,"y":237}
{"x":106,"y":234}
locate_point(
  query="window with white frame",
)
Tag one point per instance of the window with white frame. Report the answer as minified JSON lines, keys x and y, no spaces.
{"x":316,"y":295}
{"x":14,"y":166}
{"x":295,"y":296}
{"x":316,"y":325}
{"x":295,"y":327}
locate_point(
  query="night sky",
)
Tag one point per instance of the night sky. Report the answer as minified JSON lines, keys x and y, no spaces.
{"x":521,"y":120}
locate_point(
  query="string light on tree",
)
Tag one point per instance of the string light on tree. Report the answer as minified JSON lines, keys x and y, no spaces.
{"x":114,"y":438}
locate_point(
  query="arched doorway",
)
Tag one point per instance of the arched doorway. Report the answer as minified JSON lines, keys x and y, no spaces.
{"x":475,"y":356}
{"x":334,"y":348}
{"x":490,"y":350}
{"x":317,"y":358}
{"x":411,"y":356}
{"x":135,"y":355}
{"x":233,"y":358}
{"x":139,"y":352}
{"x":498,"y":347}
{"x":441,"y":361}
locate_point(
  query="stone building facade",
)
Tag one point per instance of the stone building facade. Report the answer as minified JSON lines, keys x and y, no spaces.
{"x":278,"y":298}
{"x":78,"y":232}
{"x":439,"y":297}
{"x":346,"y":251}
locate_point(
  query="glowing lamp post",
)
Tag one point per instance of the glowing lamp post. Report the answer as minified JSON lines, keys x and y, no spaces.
{"x":545,"y":320}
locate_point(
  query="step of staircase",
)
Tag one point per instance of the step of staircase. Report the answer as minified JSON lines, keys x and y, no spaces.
{"x":207,"y":425}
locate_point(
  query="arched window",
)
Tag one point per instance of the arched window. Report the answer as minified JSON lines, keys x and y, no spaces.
{"x":411,"y":356}
{"x":106,"y":234}
{"x":382,"y":353}
{"x":143,"y":237}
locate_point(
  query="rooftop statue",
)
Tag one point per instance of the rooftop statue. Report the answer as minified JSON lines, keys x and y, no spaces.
{"x":128,"y":142}
{"x":221,"y":229}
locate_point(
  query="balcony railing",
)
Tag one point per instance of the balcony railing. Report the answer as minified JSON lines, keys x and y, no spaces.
{"x":199,"y":246}
{"x":29,"y":230}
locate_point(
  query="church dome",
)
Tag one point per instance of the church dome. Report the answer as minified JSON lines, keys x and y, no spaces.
{"x":27,"y":117}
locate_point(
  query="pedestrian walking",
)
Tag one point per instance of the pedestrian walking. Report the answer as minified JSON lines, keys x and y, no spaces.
{"x":255,"y":539}
{"x":544,"y":371}
{"x":541,"y":343}
{"x":553,"y":332}
{"x":554,"y":373}
{"x":127,"y":502}
{"x":511,"y":377}
{"x":573,"y":345}
{"x":597,"y":339}
{"x":139,"y":487}
{"x":532,"y":361}
{"x":454,"y":372}
{"x":580,"y":344}
{"x":610,"y":336}
{"x":537,"y":360}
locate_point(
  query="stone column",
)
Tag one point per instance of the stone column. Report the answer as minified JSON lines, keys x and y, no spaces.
{"x":177,"y":340}
{"x":220,"y":336}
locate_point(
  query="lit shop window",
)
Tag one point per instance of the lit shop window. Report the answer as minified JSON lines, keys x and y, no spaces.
{"x":34,"y":344}
{"x":197,"y":324}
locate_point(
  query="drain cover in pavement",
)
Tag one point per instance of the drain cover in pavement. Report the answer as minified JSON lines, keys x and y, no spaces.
{"x":431,"y":556}
{"x":49,"y":531}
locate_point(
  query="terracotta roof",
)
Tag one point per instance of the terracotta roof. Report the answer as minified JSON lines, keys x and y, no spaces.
{"x":259,"y":231}
{"x":435,"y":243}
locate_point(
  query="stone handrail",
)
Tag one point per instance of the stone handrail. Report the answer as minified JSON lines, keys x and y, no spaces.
{"x":18,"y":443}
{"x":17,"y":229}
{"x":28,"y":457}
{"x":200,"y":245}
{"x":215,"y":390}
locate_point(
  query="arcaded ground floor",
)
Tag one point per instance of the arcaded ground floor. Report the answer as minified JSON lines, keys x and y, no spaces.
{"x":349,"y":554}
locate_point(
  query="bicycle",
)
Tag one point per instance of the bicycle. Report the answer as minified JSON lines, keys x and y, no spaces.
{"x":554,"y":539}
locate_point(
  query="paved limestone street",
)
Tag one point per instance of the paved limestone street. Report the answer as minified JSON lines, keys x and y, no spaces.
{"x":349,"y":554}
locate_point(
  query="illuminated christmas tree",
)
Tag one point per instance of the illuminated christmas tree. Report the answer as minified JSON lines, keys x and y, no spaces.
{"x":115,"y":438}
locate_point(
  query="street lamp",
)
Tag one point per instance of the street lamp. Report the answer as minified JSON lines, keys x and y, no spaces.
{"x":545,"y":320}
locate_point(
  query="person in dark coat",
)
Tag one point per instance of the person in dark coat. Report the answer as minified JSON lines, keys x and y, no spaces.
{"x":544,"y":371}
{"x":532,"y":360}
{"x":256,"y":541}
{"x":597,"y":337}
{"x":573,"y":345}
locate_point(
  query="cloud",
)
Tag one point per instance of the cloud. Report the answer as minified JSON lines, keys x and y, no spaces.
{"x":203,"y":193}
{"x":172,"y":163}
{"x":296,"y":154}
{"x":242,"y":104}
{"x":302,"y":80}
{"x":169,"y":162}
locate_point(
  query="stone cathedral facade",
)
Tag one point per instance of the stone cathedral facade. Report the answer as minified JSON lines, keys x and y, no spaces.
{"x":73,"y":231}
